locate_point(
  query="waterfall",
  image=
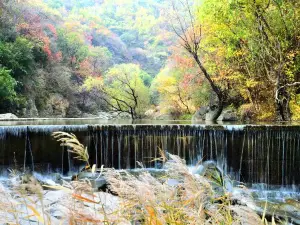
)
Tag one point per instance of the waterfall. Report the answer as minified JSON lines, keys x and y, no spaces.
{"x":249,"y":153}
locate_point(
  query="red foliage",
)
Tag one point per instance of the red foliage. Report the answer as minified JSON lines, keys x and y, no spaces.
{"x":187,"y":80}
{"x":47,"y":50}
{"x":182,"y":61}
{"x":52,"y":28}
{"x":34,"y":29}
{"x":58,"y":56}
{"x":85,"y":69}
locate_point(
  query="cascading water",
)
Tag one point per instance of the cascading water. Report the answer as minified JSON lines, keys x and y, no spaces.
{"x":250,"y":154}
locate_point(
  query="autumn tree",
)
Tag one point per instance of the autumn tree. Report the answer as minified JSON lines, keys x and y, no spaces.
{"x":189,"y":32}
{"x":124,"y":90}
{"x":72,"y":46}
{"x":179,"y":86}
{"x":259,"y":50}
{"x":100,"y":59}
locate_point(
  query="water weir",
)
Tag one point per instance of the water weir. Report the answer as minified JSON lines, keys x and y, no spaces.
{"x":250,"y":154}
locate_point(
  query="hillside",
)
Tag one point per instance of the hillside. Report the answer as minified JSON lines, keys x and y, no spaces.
{"x":168,"y":59}
{"x":62,"y":43}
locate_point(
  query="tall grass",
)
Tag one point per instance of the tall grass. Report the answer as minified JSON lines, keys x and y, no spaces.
{"x":191,"y":200}
{"x":177,"y":197}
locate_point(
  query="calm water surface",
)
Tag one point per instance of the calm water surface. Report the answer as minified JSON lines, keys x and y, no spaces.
{"x":89,"y":121}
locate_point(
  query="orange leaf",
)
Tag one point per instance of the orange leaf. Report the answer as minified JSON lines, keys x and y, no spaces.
{"x":153,"y":219}
{"x":81,"y":198}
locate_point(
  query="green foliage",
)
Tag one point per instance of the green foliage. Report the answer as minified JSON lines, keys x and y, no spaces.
{"x":179,"y":86}
{"x":72,"y":46}
{"x":147,"y":79}
{"x":7,"y":85}
{"x":17,"y":56}
{"x":185,"y":117}
{"x":100,"y":58}
{"x":295,"y":107}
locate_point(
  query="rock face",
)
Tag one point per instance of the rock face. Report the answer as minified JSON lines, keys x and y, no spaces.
{"x":74,"y":111}
{"x":205,"y":113}
{"x":200,"y":114}
{"x":56,"y":106}
{"x":30,"y":110}
{"x":150,"y":113}
{"x":228,"y":115}
{"x":8,"y":116}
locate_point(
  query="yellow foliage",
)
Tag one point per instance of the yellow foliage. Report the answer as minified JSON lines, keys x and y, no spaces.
{"x":175,"y":95}
{"x":295,"y":107}
{"x":93,"y":82}
{"x":251,"y":83}
{"x":266,"y":112}
{"x":165,"y":84}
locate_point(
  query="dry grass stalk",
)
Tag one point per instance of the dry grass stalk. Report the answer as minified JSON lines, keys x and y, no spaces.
{"x":179,"y":197}
{"x":75,"y":147}
{"x":147,"y":200}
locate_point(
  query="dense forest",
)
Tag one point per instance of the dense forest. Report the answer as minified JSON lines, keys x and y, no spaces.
{"x":162,"y":58}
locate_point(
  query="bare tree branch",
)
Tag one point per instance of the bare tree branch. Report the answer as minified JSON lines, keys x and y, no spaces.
{"x":283,"y":87}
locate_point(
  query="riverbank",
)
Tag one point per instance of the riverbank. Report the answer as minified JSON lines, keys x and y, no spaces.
{"x":177,"y":194}
{"x":177,"y":197}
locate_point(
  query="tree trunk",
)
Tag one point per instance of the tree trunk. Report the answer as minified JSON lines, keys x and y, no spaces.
{"x":283,"y":112}
{"x":215,"y":109}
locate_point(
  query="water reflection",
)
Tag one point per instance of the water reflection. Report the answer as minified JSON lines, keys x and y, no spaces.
{"x":95,"y":121}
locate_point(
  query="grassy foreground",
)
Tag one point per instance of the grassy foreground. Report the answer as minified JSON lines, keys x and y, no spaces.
{"x":177,"y":197}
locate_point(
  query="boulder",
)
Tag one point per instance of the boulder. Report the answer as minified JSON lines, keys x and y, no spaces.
{"x":8,"y":116}
{"x":211,"y":113}
{"x":200,"y":114}
{"x":156,"y":114}
{"x":29,"y":184}
{"x":48,"y":180}
{"x":98,"y":183}
{"x":228,"y":115}
{"x":280,"y":211}
{"x":150,"y":113}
